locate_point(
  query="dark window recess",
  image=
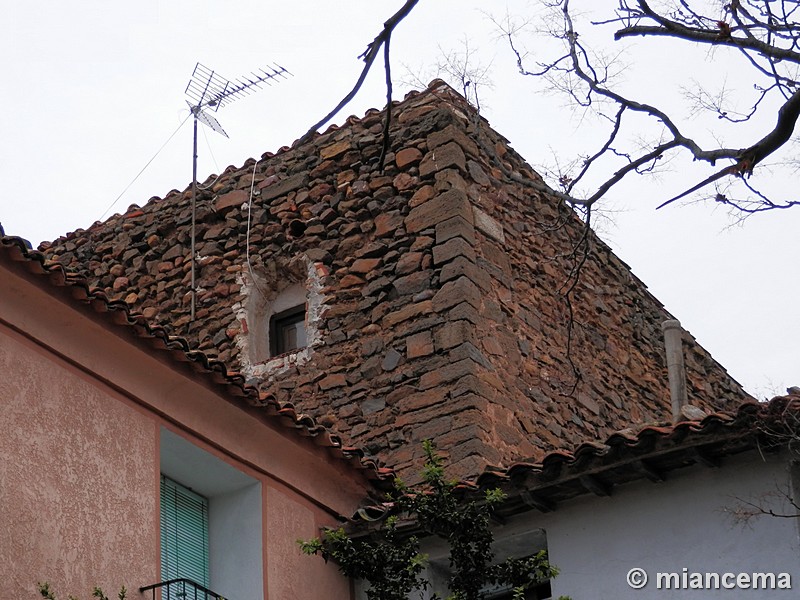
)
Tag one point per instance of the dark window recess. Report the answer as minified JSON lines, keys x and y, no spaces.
{"x":539,"y":592}
{"x":287,"y":331}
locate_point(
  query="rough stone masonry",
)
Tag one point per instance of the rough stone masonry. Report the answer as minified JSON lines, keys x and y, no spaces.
{"x":440,"y":287}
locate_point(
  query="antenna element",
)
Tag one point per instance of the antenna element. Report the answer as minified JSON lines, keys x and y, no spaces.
{"x":206,"y":89}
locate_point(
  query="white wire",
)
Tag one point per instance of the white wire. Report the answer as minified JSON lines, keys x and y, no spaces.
{"x":247,"y":237}
{"x":144,"y":167}
{"x":214,"y":159}
{"x":203,"y":188}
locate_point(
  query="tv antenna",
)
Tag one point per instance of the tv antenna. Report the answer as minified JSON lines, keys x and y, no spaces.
{"x":207,"y":90}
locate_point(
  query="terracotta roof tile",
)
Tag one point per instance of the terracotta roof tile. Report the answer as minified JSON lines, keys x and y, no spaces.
{"x":233,"y":384}
{"x":481,"y":285}
{"x":629,"y":456}
{"x":722,"y":434}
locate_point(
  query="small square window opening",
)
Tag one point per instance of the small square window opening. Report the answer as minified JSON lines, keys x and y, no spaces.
{"x":287,"y":331}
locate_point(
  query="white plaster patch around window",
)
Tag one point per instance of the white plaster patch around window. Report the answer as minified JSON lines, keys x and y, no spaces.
{"x":267,"y":295}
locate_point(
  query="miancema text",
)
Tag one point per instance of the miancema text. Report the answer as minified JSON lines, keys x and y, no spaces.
{"x":687,"y":580}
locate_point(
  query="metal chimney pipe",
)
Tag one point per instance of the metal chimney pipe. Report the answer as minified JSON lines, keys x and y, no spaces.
{"x":673,"y":342}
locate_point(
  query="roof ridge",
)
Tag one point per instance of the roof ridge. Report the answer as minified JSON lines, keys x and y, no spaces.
{"x":746,"y":413}
{"x":235,"y":384}
{"x":133,"y":210}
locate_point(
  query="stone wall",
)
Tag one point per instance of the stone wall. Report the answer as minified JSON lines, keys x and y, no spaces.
{"x":440,"y":282}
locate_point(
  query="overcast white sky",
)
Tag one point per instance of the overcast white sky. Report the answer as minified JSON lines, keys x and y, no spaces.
{"x":93,"y":88}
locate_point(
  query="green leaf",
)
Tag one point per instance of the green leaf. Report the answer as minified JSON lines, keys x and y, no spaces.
{"x":390,"y":559}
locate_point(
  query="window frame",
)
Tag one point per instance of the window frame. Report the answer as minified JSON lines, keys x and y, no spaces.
{"x":279,"y":322}
{"x":236,"y":517}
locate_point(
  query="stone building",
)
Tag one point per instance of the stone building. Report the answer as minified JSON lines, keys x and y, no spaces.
{"x":430,"y":294}
{"x":111,"y":429}
{"x":344,"y":311}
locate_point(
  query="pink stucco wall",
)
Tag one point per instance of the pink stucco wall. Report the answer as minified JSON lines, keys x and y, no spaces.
{"x":76,"y":477}
{"x":290,"y":574}
{"x":82,"y":404}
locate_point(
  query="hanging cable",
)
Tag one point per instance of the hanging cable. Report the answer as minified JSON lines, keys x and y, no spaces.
{"x":214,"y":160}
{"x":247,"y":237}
{"x":174,"y":133}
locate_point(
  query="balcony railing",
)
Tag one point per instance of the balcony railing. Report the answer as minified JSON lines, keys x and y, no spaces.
{"x":181,"y":589}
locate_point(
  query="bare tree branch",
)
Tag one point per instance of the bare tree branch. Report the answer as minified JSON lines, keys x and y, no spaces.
{"x":768,"y":42}
{"x":369,"y":56}
{"x":722,"y":36}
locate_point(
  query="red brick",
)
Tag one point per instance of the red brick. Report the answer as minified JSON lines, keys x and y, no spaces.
{"x":456,"y":292}
{"x":432,"y":429}
{"x":326,"y":167}
{"x":332,"y":381}
{"x":412,"y":114}
{"x":419,"y":344}
{"x":421,"y":243}
{"x":492,"y":346}
{"x":404,"y":182}
{"x":413,"y":283}
{"x":281,"y":188}
{"x":345,"y":177}
{"x":444,"y":206}
{"x":231,"y":200}
{"x":447,"y":373}
{"x":454,"y":334}
{"x":399,"y":393}
{"x":407,"y":312}
{"x":406,"y":157}
{"x":452,"y":134}
{"x":335,"y":150}
{"x":408,"y":263}
{"x":417,"y":401}
{"x":455,"y":227}
{"x":463,"y":266}
{"x":350,"y":280}
{"x":364,"y":265}
{"x":422,"y":195}
{"x":387,"y":223}
{"x":456,"y":247}
{"x":499,"y":257}
{"x":589,"y":402}
{"x":375,"y":183}
{"x":320,"y":190}
{"x":448,"y":155}
{"x":447,"y":179}
{"x":477,"y":173}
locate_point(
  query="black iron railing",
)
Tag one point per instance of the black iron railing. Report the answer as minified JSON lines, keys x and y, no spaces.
{"x":181,"y":589}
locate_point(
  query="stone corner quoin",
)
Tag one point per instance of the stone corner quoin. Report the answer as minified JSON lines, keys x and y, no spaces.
{"x":438,"y":281}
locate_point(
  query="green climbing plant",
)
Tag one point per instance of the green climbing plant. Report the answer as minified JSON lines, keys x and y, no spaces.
{"x":391,"y":560}
{"x":48,"y":593}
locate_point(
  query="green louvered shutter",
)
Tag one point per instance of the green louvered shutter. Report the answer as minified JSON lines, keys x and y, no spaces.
{"x":184,"y":533}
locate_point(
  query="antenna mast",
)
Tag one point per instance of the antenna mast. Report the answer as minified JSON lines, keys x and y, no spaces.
{"x":207,"y":90}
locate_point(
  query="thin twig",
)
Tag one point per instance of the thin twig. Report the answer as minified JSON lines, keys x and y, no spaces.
{"x":368,"y":57}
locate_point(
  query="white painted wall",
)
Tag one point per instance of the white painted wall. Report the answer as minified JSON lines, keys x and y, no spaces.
{"x":263,"y":299}
{"x":234,"y":515}
{"x":235,"y":555}
{"x":685,"y":521}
